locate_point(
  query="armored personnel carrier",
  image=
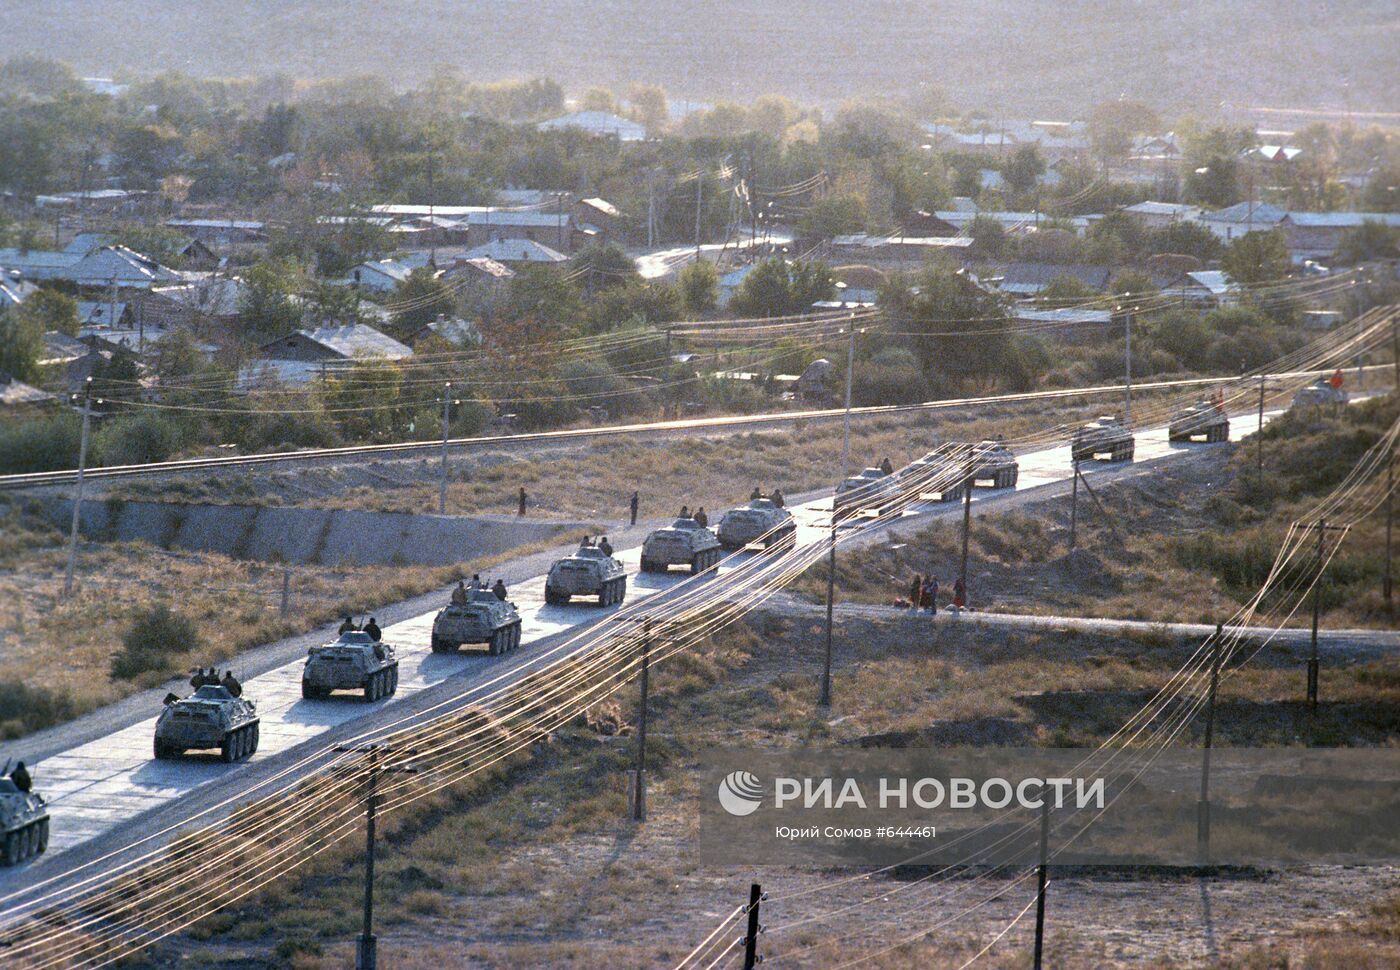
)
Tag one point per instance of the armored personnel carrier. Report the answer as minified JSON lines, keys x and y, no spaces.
{"x":934,"y":477}
{"x":1318,"y":393}
{"x":1201,"y":420}
{"x":211,"y":717}
{"x":353,"y":662}
{"x":871,"y":489}
{"x":762,"y":520}
{"x":24,"y":823}
{"x":484,"y":618}
{"x":1102,"y":436}
{"x":684,"y":542}
{"x":986,"y":461}
{"x":588,"y":572}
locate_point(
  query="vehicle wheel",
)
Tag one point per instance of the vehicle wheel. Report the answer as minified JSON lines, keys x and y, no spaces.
{"x":1013,"y":477}
{"x":435,"y":644}
{"x":161,"y":751}
{"x":12,"y":849}
{"x":393,"y":680}
{"x":622,"y":589}
{"x":1128,"y":453}
{"x":371,"y":688}
{"x":228,"y":749}
{"x":493,"y":646}
{"x":256,"y":736}
{"x":311,"y":693}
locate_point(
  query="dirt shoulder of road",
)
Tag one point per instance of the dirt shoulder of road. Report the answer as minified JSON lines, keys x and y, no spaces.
{"x":541,"y":868}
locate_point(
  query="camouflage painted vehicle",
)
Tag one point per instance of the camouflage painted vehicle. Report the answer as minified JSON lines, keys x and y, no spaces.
{"x":1202,"y":419}
{"x":934,"y":477}
{"x":211,"y":717}
{"x":684,"y":542}
{"x":762,"y":520}
{"x":1103,"y":436}
{"x":353,"y":662}
{"x":871,"y":489}
{"x":24,"y":823}
{"x":1318,"y":393}
{"x":987,"y":461}
{"x":588,"y":572}
{"x":484,"y":618}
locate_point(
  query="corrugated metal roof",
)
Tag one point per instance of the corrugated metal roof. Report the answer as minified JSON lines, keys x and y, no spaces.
{"x":1342,"y":220}
{"x":357,"y":340}
{"x":1246,"y":212}
{"x":597,"y":123}
{"x":516,"y":251}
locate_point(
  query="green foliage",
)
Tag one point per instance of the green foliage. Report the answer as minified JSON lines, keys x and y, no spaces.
{"x":1215,"y":182}
{"x":989,"y":239}
{"x":51,"y":310}
{"x":21,"y":345}
{"x":157,"y":635}
{"x":1023,"y":168}
{"x":40,"y":444}
{"x":158,"y":242}
{"x":896,"y":381}
{"x":1257,"y":257}
{"x":1114,"y":124}
{"x":541,"y":293}
{"x":265,"y":305}
{"x":833,"y":216}
{"x":699,"y":288}
{"x":778,"y":288}
{"x":1370,"y":240}
{"x":137,"y":439}
{"x":634,"y":303}
{"x":176,"y":357}
{"x":1065,"y":289}
{"x":603,"y":267}
{"x":1185,"y":239}
{"x":1124,"y":236}
{"x":425,"y":296}
{"x":1382,"y":191}
{"x":24,"y":708}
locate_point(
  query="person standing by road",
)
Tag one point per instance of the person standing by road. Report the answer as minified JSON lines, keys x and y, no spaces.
{"x":521,"y":511}
{"x":932,"y":583}
{"x":960,"y":594}
{"x":916,"y":589}
{"x":636,"y":500}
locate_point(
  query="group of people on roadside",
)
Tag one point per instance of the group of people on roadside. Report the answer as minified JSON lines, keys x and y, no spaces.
{"x":923,"y":594}
{"x":776,"y":496}
{"x":209,"y":677}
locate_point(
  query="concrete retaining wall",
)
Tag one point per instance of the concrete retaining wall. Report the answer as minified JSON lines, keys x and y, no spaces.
{"x":297,"y":535}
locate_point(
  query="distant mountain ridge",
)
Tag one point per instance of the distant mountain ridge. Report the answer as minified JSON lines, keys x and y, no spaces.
{"x":1017,"y":56}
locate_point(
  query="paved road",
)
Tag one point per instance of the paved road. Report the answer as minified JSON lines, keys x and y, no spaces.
{"x":102,"y":785}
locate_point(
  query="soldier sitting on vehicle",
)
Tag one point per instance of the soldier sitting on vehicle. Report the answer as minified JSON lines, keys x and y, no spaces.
{"x":777,"y":497}
{"x":170,"y":698}
{"x":500,"y":590}
{"x":20,"y":776}
{"x":755,"y":495}
{"x":685,"y":511}
{"x":476,"y":581}
{"x":459,"y":595}
{"x":230,"y":683}
{"x":204,"y":678}
{"x":887,"y":467}
{"x":348,"y":626}
{"x":372,"y":628}
{"x":606,"y":547}
{"x":701,"y":517}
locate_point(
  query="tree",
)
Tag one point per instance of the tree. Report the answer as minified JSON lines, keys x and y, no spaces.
{"x":1370,"y":240}
{"x":541,"y":293}
{"x":175,"y":357}
{"x":51,"y":310}
{"x":598,"y":99}
{"x":1114,"y":124}
{"x":423,"y":296}
{"x":265,"y":304}
{"x":1257,"y":257}
{"x":21,"y":344}
{"x":605,"y":266}
{"x":1216,"y":182}
{"x":1184,"y":238}
{"x":1119,"y":234}
{"x":649,"y":107}
{"x":989,"y":239}
{"x":1382,"y":191}
{"x":777,"y":288}
{"x":832,"y":216}
{"x":1023,"y":168}
{"x":699,"y":286}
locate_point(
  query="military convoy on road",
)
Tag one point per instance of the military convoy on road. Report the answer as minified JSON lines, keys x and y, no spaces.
{"x":1103,"y":436}
{"x":1202,"y":419}
{"x":761,"y":521}
{"x":684,"y":542}
{"x":356,"y":661}
{"x":483,"y":618}
{"x":211,"y":717}
{"x":588,"y":572}
{"x":987,"y":461}
{"x":24,"y":823}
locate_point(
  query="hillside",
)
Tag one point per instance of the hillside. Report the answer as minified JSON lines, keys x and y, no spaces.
{"x":1016,"y":56}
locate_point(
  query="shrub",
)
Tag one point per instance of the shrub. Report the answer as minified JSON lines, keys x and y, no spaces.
{"x":24,"y":708}
{"x":41,"y":445}
{"x":156,"y":636}
{"x":137,"y":439}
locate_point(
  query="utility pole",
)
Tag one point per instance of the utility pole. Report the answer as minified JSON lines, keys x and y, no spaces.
{"x":966,"y":528}
{"x":1316,"y":607}
{"x":1259,"y":434}
{"x":559,"y":201}
{"x":442,"y":484}
{"x":1073,"y":503}
{"x":846,"y":430}
{"x":78,"y":497}
{"x":1128,"y":366}
{"x":286,"y":589}
{"x":1389,"y":528}
{"x":756,"y":896}
{"x":825,"y":700}
{"x":366,"y":956}
{"x":1042,"y":877}
{"x":639,"y":800}
{"x":699,"y":192}
{"x":1203,"y":803}
{"x":432,"y":221}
